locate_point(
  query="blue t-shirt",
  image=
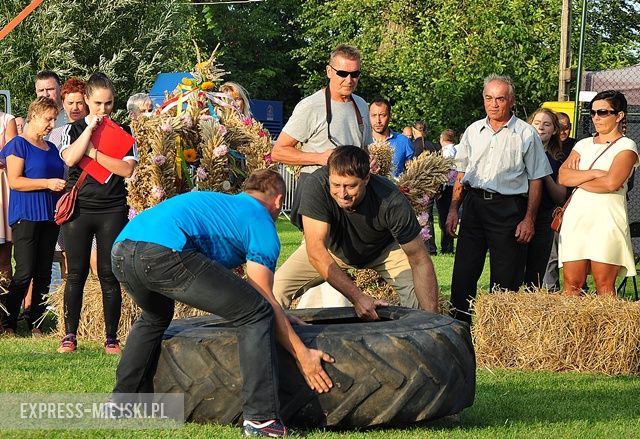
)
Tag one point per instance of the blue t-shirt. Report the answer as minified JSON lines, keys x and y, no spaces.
{"x":402,"y":151}
{"x":37,"y":205}
{"x":230,"y":229}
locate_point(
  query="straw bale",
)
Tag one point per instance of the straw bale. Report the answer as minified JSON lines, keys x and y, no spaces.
{"x":543,"y":331}
{"x":92,"y":318}
{"x":375,"y":286}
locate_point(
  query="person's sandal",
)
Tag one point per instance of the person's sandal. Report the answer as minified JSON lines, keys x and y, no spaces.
{"x":69,"y":344}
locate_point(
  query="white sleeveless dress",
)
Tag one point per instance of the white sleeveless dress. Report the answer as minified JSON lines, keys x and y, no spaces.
{"x":596,"y":226}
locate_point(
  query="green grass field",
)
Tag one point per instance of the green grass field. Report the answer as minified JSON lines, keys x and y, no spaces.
{"x":509,"y":404}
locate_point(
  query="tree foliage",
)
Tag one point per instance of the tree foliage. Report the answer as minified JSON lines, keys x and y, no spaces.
{"x":129,"y":40}
{"x":612,"y":38}
{"x":255,"y":40}
{"x":429,"y":57}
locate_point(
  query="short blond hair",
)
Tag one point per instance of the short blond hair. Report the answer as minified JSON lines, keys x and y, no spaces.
{"x":40,"y":105}
{"x":345,"y":51}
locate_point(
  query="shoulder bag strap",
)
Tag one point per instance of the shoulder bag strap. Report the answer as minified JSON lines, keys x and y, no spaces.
{"x":566,"y":203}
{"x":81,"y":179}
{"x":327,"y":95}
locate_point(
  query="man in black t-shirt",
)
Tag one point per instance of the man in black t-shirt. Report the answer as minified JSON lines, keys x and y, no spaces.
{"x":354,"y":219}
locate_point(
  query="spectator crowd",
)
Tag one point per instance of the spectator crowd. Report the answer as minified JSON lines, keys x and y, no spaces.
{"x":509,"y":177}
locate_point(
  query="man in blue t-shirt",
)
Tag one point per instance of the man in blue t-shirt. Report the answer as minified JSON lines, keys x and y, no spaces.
{"x":183,"y":249}
{"x":379,"y":116}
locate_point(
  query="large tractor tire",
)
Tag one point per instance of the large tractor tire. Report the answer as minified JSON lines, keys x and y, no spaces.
{"x":409,"y":366}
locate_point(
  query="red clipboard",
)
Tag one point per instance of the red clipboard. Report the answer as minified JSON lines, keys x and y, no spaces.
{"x":111,"y":139}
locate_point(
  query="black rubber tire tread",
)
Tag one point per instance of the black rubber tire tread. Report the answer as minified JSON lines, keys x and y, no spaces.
{"x":411,"y":366}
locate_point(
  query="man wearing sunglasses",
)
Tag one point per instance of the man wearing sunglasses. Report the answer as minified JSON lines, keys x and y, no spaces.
{"x":500,"y":164}
{"x":329,"y":118}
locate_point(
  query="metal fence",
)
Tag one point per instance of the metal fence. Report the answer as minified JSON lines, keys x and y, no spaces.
{"x":291,"y":182}
{"x":625,"y":80}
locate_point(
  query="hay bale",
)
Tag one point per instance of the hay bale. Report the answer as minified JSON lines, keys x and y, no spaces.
{"x":542,"y":331}
{"x":91,"y":325}
{"x":375,"y":286}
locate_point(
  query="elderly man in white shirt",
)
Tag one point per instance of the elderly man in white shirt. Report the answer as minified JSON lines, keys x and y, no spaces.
{"x":500,"y":163}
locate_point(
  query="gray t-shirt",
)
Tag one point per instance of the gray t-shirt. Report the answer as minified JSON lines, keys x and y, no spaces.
{"x":308,"y":124}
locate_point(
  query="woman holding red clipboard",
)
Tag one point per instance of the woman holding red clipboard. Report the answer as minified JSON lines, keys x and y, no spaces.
{"x":100,"y":209}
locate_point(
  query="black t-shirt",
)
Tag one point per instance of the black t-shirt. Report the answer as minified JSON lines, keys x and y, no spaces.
{"x":546,"y":202}
{"x":567,"y":146}
{"x":95,"y":197}
{"x":421,"y":144}
{"x":358,"y":236}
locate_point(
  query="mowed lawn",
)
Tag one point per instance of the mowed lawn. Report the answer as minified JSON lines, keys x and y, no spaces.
{"x":509,"y":404}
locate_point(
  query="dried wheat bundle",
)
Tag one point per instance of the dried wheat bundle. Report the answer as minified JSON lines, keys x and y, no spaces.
{"x":258,"y":151}
{"x":155,"y":176}
{"x":542,"y":331}
{"x":237,"y":133}
{"x":424,"y":176}
{"x":213,"y":173}
{"x":197,"y":140}
{"x":383,"y":153}
{"x":210,"y":69}
{"x":375,"y":286}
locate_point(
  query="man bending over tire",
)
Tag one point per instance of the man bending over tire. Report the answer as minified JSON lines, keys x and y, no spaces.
{"x":354,"y":219}
{"x":183,"y":249}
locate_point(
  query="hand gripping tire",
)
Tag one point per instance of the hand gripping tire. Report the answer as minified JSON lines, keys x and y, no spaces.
{"x":410,"y":366}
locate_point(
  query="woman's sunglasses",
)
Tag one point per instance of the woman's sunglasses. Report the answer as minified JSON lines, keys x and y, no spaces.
{"x":344,"y":73}
{"x":603,"y":112}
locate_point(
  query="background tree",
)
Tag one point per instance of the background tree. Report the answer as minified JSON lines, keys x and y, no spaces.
{"x":429,"y":57}
{"x":612,"y":39}
{"x":129,"y":40}
{"x":255,"y":40}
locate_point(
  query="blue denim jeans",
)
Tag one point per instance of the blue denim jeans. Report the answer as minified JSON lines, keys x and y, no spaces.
{"x":155,"y":277}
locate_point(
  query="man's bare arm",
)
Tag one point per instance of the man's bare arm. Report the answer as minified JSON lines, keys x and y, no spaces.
{"x":316,"y":234}
{"x":424,"y":275}
{"x":285,"y":151}
{"x":309,"y":360}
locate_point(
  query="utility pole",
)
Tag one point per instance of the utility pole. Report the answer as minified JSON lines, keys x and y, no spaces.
{"x":564,"y":67}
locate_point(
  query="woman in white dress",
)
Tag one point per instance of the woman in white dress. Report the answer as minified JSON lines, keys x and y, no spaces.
{"x":595,"y":233}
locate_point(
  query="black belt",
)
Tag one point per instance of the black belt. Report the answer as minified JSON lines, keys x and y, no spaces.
{"x":486,"y":195}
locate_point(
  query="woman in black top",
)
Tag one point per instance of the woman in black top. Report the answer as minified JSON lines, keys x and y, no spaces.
{"x":547,"y":125}
{"x":100,"y":210}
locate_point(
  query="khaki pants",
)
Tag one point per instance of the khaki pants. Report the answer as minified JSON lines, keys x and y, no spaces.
{"x":297,"y":274}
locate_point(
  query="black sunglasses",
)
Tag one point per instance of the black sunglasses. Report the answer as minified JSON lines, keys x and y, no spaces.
{"x":344,"y":73}
{"x":603,"y":112}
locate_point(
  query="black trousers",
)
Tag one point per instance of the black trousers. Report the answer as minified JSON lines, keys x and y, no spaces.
{"x":33,"y":246}
{"x":155,"y":277}
{"x":442,"y":204}
{"x":78,"y":235}
{"x":487,"y":224}
{"x":431,"y":243}
{"x":539,"y":249}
